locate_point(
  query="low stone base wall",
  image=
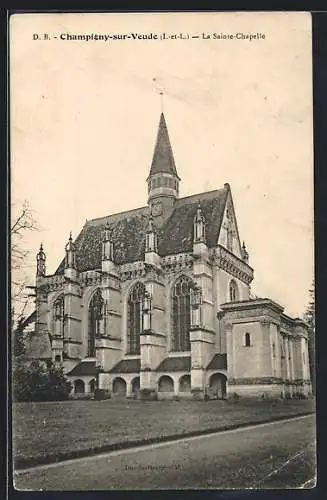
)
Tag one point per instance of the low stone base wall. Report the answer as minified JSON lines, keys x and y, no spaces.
{"x":165,"y":395}
{"x":281,"y":391}
{"x":256,"y":391}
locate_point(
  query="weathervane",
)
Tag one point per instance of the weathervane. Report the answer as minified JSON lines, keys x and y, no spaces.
{"x":159,"y":89}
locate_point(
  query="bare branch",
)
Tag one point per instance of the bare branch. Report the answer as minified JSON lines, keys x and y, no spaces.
{"x":24,"y":223}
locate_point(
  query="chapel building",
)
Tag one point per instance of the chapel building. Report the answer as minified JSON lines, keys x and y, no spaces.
{"x":155,"y":302}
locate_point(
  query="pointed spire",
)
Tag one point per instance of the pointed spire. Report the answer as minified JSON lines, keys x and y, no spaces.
{"x":163,"y":159}
{"x":40,"y":259}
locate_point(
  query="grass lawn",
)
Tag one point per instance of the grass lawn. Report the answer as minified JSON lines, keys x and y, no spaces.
{"x":50,"y":429}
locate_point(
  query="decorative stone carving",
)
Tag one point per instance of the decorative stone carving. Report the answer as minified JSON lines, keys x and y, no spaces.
{"x":177,"y":263}
{"x":133,"y":270}
{"x":233,"y":265}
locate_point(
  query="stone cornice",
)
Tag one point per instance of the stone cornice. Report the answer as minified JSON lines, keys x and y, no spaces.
{"x":261,"y":304}
{"x":227,"y":261}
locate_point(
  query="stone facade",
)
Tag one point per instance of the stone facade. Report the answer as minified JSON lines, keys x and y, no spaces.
{"x":156,"y":302}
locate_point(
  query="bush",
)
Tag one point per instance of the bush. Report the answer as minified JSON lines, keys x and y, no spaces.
{"x":100,"y":394}
{"x":148,"y":394}
{"x":299,"y":395}
{"x":40,"y":382}
{"x":235,"y":397}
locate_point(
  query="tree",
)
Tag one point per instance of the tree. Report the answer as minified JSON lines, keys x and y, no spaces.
{"x":40,"y":381}
{"x":310,"y":319}
{"x":21,"y":336}
{"x":22,"y":223}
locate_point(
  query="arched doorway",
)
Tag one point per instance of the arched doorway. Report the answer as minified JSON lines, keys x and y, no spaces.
{"x":166,"y":384}
{"x":218,"y":385}
{"x":79,"y":386}
{"x":135,"y":385}
{"x":119,"y":387}
{"x":185,"y":383}
{"x":92,"y":385}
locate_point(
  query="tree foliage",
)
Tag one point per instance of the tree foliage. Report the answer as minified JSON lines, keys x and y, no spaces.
{"x":19,"y":340}
{"x":310,"y":319}
{"x":40,"y":381}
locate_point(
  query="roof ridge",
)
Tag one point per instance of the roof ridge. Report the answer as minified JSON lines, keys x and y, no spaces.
{"x":146,"y":206}
{"x":116,"y":213}
{"x":198,"y":194}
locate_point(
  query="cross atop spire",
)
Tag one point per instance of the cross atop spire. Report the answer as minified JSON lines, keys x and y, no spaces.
{"x":159,"y":90}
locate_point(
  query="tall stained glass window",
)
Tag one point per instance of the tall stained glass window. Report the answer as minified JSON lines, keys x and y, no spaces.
{"x":59,"y":315}
{"x":135,"y":318}
{"x":180,"y":308}
{"x":95,"y":317}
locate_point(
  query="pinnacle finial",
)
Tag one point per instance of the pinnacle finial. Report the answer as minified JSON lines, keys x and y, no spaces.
{"x":40,"y":258}
{"x":151,"y":227}
{"x":41,"y":253}
{"x":245,"y":253}
{"x":199,"y":213}
{"x":107,"y":233}
{"x":70,"y":245}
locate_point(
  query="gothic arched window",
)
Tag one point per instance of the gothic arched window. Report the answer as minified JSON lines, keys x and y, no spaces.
{"x":233,"y":291}
{"x":59,"y":315}
{"x":95,"y":317}
{"x":135,"y":318}
{"x":180,"y":308}
{"x":247,"y":340}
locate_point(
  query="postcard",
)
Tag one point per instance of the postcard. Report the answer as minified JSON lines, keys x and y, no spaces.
{"x":163,"y":314}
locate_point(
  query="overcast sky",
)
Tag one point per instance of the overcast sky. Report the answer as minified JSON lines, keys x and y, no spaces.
{"x":85,"y":118}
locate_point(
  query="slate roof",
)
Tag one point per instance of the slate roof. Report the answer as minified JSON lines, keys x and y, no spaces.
{"x":127,"y":366}
{"x":83,"y":368}
{"x":128,"y":229}
{"x":218,"y":362}
{"x":178,"y":364}
{"x":163,"y":158}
